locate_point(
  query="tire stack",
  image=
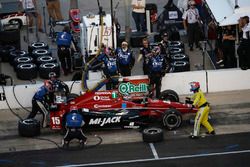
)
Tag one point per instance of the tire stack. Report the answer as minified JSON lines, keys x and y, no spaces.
{"x":44,"y":60}
{"x":179,"y":60}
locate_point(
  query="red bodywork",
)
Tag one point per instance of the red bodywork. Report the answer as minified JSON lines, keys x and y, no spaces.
{"x":101,"y":101}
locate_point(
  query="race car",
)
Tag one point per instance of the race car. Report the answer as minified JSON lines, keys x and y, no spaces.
{"x":126,"y":107}
{"x":17,"y":18}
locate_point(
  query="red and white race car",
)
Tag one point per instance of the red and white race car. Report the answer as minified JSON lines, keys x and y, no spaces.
{"x":17,"y":18}
{"x":126,"y":107}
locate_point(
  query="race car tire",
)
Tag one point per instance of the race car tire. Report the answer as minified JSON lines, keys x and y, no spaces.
{"x":180,"y":66}
{"x":175,"y":44}
{"x":46,"y":68}
{"x":5,"y":52}
{"x":172,"y":119}
{"x":29,"y":127}
{"x":26,"y":71}
{"x":20,"y":60}
{"x":45,"y":59}
{"x":37,"y":45}
{"x":71,"y":97}
{"x":152,"y":135}
{"x":40,"y":52}
{"x":169,"y":95}
{"x":179,"y":57}
{"x":173,"y":51}
{"x":15,"y":54}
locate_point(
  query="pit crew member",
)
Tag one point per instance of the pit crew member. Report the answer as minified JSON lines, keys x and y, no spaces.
{"x":125,"y":58}
{"x":110,"y":70}
{"x":74,"y":124}
{"x":39,"y":100}
{"x":201,"y":117}
{"x":145,"y":53}
{"x":157,"y":67}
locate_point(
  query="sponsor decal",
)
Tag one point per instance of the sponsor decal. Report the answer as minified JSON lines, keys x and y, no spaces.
{"x":103,"y":93}
{"x":97,"y":98}
{"x":132,"y":126}
{"x":124,"y":105}
{"x":101,"y":106}
{"x":114,"y":95}
{"x":104,"y":121}
{"x":128,"y":88}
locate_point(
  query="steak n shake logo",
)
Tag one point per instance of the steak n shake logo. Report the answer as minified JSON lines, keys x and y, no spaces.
{"x":128,"y":88}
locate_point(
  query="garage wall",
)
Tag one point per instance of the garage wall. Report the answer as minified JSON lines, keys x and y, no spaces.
{"x":211,"y":81}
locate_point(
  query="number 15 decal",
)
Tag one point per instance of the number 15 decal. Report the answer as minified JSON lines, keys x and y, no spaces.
{"x":56,"y":120}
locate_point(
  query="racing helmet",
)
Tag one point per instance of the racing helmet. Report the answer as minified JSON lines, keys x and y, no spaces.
{"x":156,"y":50}
{"x":195,"y":86}
{"x":73,"y":109}
{"x":52,"y":75}
{"x":48,"y":85}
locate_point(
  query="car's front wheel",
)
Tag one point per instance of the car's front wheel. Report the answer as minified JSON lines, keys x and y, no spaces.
{"x":172,"y":119}
{"x":169,"y":95}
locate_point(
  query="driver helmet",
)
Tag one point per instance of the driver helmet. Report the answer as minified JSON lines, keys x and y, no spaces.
{"x":195,"y":86}
{"x":48,"y":85}
{"x":52,"y":75}
{"x":73,"y":109}
{"x":156,"y":50}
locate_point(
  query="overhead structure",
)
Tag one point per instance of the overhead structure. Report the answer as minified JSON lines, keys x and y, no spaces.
{"x":228,"y":12}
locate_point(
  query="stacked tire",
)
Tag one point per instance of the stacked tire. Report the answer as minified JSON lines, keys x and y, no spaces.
{"x":179,"y":60}
{"x":44,"y":60}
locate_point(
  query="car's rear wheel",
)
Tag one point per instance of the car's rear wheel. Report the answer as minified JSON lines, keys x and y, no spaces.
{"x":169,"y":95}
{"x":71,"y":97}
{"x":172,"y":119}
{"x":152,"y":135}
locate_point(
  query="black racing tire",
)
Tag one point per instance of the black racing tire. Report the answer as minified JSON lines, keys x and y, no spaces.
{"x":175,"y":44}
{"x":29,"y":128}
{"x":20,"y":60}
{"x":5,"y":52}
{"x":26,"y":71}
{"x":152,"y":135}
{"x":172,"y":119}
{"x":15,"y":54}
{"x":173,"y":51}
{"x":37,"y":45}
{"x":40,"y":52}
{"x":180,"y":66}
{"x":71,"y":97}
{"x":169,"y":95}
{"x":45,"y":59}
{"x":46,"y":68}
{"x":179,"y":57}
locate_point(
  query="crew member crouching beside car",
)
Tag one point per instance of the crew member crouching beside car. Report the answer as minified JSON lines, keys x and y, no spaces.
{"x":74,"y":124}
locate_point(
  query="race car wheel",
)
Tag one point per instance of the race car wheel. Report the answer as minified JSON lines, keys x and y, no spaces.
{"x":71,"y":97}
{"x":179,"y":57}
{"x":169,"y":95}
{"x":26,"y":71}
{"x":175,"y":44}
{"x":15,"y":54}
{"x":45,"y":59}
{"x":46,"y":68}
{"x":40,"y":52}
{"x":173,"y":51}
{"x":29,"y":127}
{"x":19,"y":60}
{"x":37,"y":45}
{"x":172,"y":119}
{"x":152,"y":135}
{"x":180,"y":66}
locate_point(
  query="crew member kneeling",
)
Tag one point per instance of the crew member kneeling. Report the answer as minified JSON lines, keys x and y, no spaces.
{"x":201,"y":117}
{"x":74,"y":124}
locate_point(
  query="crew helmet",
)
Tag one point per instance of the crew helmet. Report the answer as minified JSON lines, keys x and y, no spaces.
{"x":195,"y":86}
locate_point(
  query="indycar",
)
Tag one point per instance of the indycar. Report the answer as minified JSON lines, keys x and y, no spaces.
{"x":126,"y":107}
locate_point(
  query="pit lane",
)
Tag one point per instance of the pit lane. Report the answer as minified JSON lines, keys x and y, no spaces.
{"x":230,"y":150}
